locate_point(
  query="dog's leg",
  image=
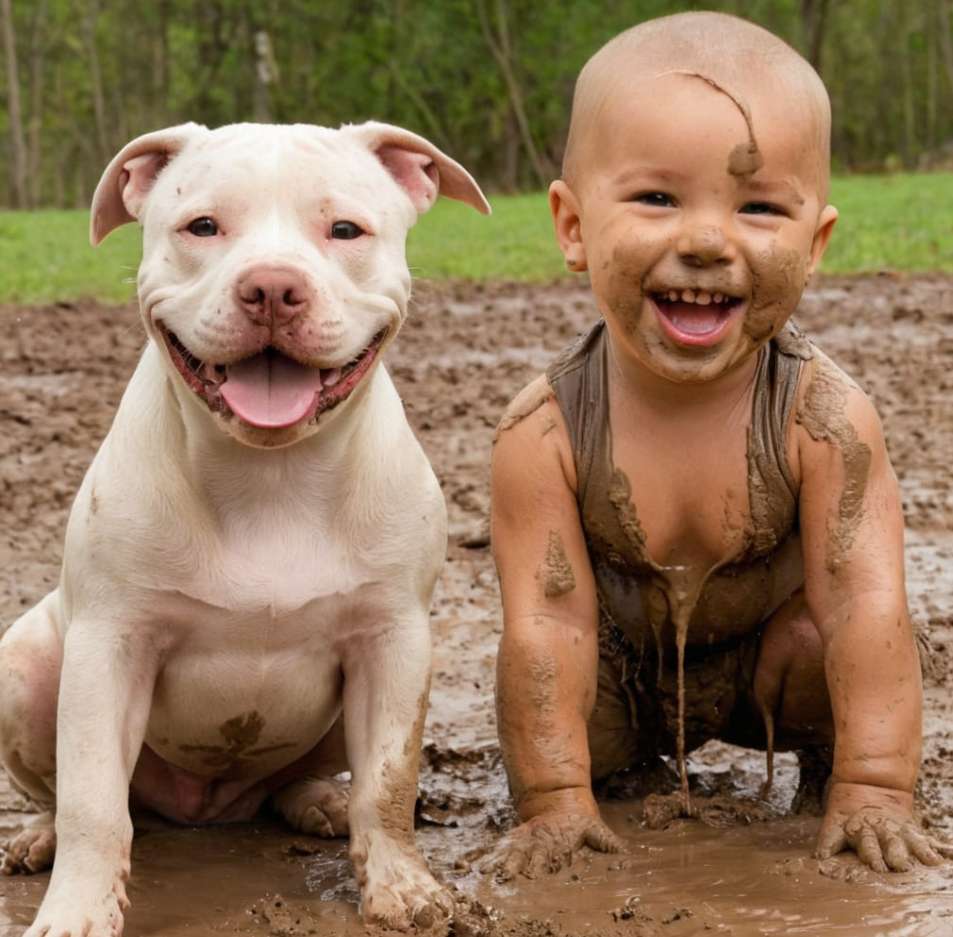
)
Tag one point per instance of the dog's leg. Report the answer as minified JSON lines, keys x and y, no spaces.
{"x":315,"y":802}
{"x":30,"y":657}
{"x":386,"y":683}
{"x":105,"y":693}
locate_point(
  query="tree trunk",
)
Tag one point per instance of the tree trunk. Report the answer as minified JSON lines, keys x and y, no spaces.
{"x":499,"y":46}
{"x":17,"y":146}
{"x":160,"y":68}
{"x":511,"y":154}
{"x":90,"y":20}
{"x":814,"y":21}
{"x":35,"y":125}
{"x":266,"y":73}
{"x":909,"y":111}
{"x":946,"y":38}
{"x":932,"y":70}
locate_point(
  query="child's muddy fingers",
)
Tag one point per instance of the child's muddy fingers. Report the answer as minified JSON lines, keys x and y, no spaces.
{"x":831,"y":841}
{"x":599,"y":837}
{"x":512,"y":863}
{"x":538,"y":860}
{"x":895,"y":852}
{"x":920,"y":847}
{"x":488,"y":862}
{"x":867,"y":846}
{"x":943,"y":848}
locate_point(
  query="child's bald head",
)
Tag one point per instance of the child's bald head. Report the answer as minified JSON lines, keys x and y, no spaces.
{"x":758,"y":71}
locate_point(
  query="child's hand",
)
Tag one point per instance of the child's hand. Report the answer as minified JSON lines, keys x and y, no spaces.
{"x":548,"y":843}
{"x":879,"y":827}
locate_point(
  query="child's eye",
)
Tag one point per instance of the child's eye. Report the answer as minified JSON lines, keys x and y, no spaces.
{"x":656,"y":199}
{"x":761,"y":208}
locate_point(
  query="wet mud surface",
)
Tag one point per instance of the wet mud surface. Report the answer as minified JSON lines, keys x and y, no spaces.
{"x":743,"y":869}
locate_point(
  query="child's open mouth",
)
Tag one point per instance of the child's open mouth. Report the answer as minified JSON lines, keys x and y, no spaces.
{"x":695,"y":317}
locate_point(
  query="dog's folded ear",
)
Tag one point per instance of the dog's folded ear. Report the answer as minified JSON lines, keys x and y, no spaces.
{"x":418,"y":167}
{"x":123,"y":188}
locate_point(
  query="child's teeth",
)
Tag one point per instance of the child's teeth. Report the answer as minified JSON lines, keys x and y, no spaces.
{"x":673,"y":295}
{"x":703,"y":299}
{"x":718,"y":297}
{"x":688,"y":296}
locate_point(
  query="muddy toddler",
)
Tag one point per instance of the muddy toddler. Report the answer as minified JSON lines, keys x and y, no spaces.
{"x":697,"y":528}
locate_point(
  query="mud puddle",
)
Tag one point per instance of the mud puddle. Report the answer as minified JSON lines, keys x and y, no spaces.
{"x":687,"y":880}
{"x":463,"y":354}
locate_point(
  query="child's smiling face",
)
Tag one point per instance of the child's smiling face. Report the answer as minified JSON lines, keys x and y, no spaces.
{"x":699,"y":231}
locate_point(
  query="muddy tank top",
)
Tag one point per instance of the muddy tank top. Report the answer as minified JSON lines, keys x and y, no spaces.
{"x":650,"y":603}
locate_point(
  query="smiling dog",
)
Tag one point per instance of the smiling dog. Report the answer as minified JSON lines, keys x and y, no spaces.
{"x":249,"y":563}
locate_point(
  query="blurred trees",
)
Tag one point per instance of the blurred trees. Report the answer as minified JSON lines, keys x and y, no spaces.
{"x":488,"y":80}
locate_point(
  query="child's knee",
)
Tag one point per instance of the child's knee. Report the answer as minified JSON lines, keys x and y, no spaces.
{"x":789,"y":681}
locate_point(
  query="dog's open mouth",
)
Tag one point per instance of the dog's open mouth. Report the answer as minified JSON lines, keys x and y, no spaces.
{"x":270,"y":390}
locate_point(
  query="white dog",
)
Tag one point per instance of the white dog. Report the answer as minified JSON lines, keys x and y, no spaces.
{"x":250,"y":559}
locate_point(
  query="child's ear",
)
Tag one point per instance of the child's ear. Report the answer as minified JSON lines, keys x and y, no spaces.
{"x":565,"y":211}
{"x":822,"y":236}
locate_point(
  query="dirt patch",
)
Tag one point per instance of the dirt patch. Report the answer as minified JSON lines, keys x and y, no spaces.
{"x":463,"y":354}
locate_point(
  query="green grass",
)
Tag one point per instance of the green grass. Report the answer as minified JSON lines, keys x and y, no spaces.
{"x":899,"y":222}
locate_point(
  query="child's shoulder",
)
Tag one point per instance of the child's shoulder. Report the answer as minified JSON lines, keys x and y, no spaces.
{"x":837,"y":425}
{"x":829,"y":400}
{"x":532,"y":406}
{"x":531,"y":439}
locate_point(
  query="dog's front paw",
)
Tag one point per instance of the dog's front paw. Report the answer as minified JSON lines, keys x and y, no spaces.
{"x":70,"y":916}
{"x":316,"y":806}
{"x":32,"y":849}
{"x":78,"y":905}
{"x":397,"y":890}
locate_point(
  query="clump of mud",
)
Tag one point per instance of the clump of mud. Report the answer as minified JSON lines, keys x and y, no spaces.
{"x":717,"y":811}
{"x":279,"y":918}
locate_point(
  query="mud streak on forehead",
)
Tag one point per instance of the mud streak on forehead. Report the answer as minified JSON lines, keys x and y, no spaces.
{"x":745,"y":158}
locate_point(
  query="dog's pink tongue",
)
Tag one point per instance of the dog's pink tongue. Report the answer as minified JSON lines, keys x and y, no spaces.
{"x":270,"y":390}
{"x":694,"y":319}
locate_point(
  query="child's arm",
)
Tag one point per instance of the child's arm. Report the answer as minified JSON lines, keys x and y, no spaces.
{"x":852,"y":530}
{"x":548,"y":658}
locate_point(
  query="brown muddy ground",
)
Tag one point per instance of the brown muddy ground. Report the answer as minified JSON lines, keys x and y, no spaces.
{"x":464,"y":352}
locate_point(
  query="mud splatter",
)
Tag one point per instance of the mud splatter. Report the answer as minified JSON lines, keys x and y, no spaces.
{"x":395,"y":805}
{"x":685,"y":585}
{"x":771,"y":501}
{"x":745,"y":159}
{"x":823,"y":414}
{"x":792,"y":341}
{"x":620,"y":497}
{"x":555,"y":572}
{"x":526,"y":403}
{"x":778,"y":278}
{"x":717,"y":810}
{"x":240,"y":734}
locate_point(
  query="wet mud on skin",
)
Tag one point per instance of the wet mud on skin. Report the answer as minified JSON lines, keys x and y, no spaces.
{"x":745,"y":159}
{"x":555,"y":572}
{"x":462,"y":355}
{"x":823,"y":414}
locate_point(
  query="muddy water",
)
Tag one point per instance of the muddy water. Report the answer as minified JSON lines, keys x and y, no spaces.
{"x":61,"y":373}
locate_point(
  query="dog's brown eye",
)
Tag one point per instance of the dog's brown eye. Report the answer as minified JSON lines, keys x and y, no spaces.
{"x":203,"y":227}
{"x":346,"y":230}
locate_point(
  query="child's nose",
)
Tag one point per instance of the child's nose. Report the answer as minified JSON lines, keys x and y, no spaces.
{"x":701,"y":245}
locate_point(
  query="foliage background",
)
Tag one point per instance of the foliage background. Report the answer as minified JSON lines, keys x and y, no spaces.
{"x":488,"y":80}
